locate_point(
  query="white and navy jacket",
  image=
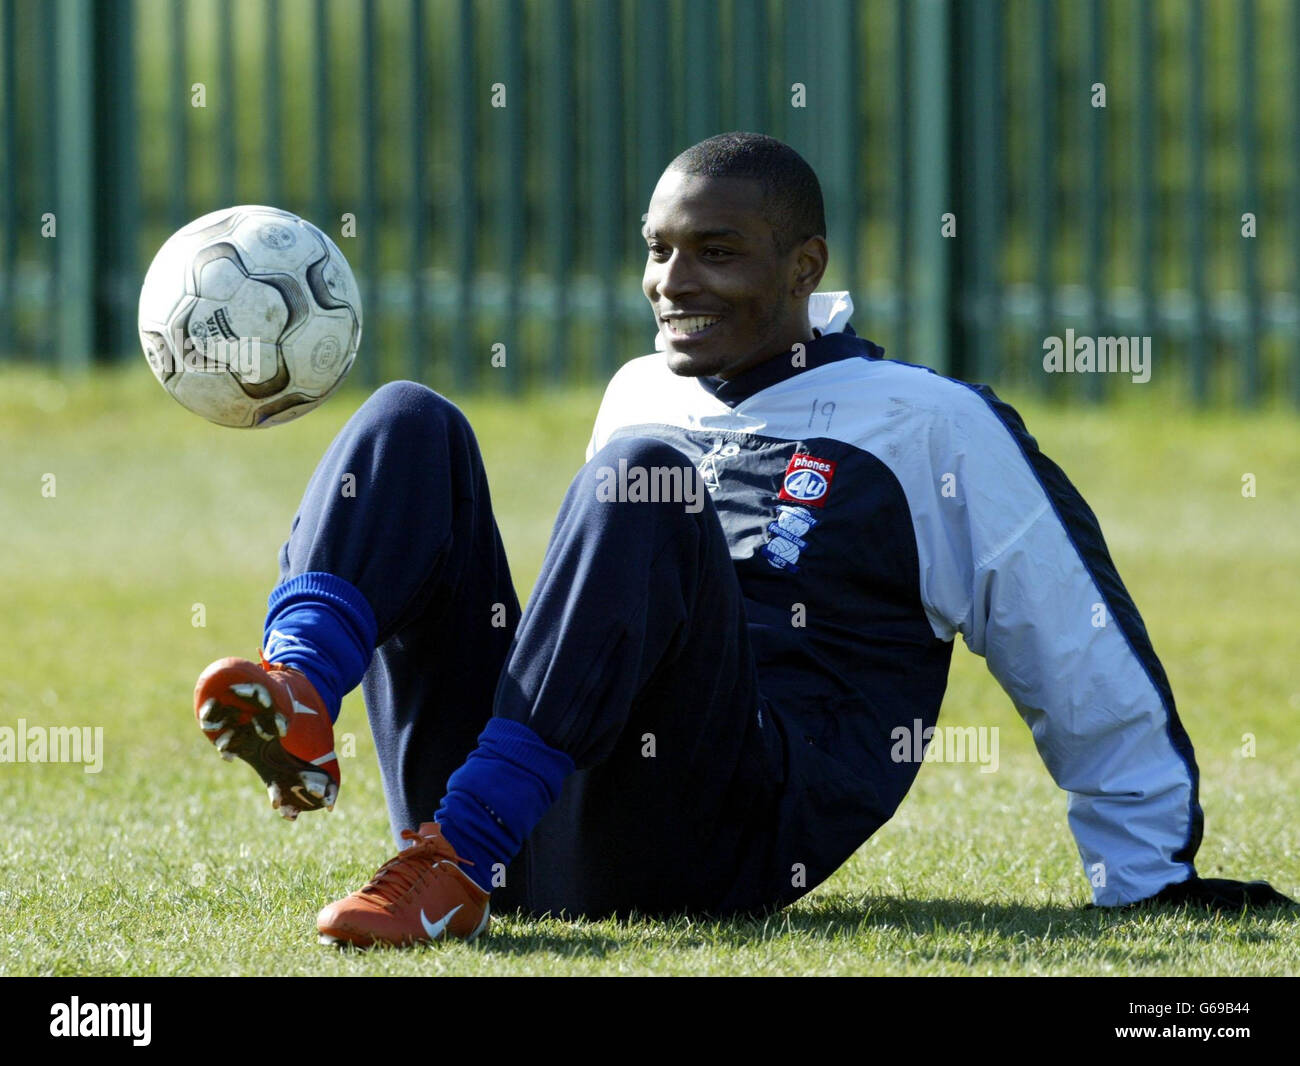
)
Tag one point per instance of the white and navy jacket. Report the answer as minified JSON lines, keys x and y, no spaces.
{"x":900,"y":508}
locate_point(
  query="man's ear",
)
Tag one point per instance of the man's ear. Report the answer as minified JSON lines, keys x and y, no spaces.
{"x":809,"y":265}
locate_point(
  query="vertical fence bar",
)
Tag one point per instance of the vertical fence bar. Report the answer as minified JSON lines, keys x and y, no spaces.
{"x":902,"y":180}
{"x":116,"y":186}
{"x":1196,"y":203}
{"x":9,"y":185}
{"x":981,"y":286}
{"x":466,"y":103}
{"x":372,"y":318}
{"x":749,"y":46}
{"x":655,"y":143}
{"x":74,"y":159}
{"x":321,"y":112}
{"x":1295,"y":193}
{"x":607,"y":207}
{"x":1095,"y":213}
{"x":840,"y":142}
{"x":1144,"y":87}
{"x":271,"y":140}
{"x":796,"y":125}
{"x":932,"y":91}
{"x":653,"y":96}
{"x":560,"y":148}
{"x":417,"y":350}
{"x":177,"y":109}
{"x":1249,"y":201}
{"x":856,"y":120}
{"x":1042,"y":189}
{"x":701,"y":53}
{"x":47,"y":165}
{"x":227,"y":94}
{"x":512,"y":184}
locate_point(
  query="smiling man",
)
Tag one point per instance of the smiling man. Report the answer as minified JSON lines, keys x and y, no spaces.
{"x":737,"y":647}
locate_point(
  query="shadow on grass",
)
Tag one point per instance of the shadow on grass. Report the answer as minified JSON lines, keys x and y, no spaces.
{"x":845,"y":917}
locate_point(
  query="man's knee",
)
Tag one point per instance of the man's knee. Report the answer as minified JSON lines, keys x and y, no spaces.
{"x":407,"y":410}
{"x":643,"y":451}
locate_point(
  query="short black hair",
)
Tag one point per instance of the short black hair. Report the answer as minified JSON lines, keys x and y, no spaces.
{"x":791,"y":192}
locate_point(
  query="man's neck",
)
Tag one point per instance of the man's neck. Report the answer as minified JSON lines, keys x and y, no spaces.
{"x":806,"y":335}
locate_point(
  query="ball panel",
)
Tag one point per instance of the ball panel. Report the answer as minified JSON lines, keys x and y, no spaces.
{"x":321,"y":351}
{"x":213,"y":394}
{"x":272,"y":243}
{"x":220,"y":278}
{"x":285,"y":409}
{"x":165,"y":282}
{"x":339,"y":277}
{"x":255,"y":310}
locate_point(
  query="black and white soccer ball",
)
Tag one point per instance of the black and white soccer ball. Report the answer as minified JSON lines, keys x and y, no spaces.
{"x":250,"y":316}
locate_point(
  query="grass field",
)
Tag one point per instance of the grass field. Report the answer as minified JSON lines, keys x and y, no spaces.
{"x":169,"y":861}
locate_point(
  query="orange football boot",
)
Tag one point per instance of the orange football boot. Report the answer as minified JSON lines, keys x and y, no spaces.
{"x":271,"y":716}
{"x":421,"y":894}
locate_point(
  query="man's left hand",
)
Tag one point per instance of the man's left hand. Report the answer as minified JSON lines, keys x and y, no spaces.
{"x":1218,"y":894}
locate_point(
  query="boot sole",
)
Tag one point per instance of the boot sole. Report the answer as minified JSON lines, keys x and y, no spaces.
{"x":248,"y":727}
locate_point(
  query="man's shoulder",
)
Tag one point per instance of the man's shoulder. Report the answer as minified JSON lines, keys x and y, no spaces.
{"x":901,"y":392}
{"x":646,"y":383}
{"x":641,"y":367}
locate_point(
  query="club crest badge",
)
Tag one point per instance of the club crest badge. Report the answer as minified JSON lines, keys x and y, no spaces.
{"x":787,"y":537}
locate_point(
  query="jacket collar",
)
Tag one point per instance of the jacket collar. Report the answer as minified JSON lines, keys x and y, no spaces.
{"x":827,"y":348}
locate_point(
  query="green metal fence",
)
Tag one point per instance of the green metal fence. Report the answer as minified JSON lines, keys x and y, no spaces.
{"x":496,"y":156}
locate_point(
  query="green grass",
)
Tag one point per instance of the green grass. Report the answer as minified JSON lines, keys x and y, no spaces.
{"x":169,"y":861}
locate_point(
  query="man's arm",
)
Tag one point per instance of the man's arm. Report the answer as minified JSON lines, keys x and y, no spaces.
{"x":1080,"y":671}
{"x":1049,"y":613}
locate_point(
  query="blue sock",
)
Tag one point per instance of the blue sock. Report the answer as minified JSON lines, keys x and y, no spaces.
{"x":323,"y":626}
{"x":500,"y":793}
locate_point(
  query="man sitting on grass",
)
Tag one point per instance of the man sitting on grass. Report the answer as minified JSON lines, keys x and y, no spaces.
{"x":753,"y":583}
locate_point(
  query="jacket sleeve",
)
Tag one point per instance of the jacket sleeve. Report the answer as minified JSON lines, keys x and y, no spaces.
{"x":1041,"y":600}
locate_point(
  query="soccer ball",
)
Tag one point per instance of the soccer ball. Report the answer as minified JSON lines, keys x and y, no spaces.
{"x":250,"y":316}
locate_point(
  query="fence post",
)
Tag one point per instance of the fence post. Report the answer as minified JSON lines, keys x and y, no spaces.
{"x":512,"y":186}
{"x":418,"y":354}
{"x":74,"y":161}
{"x":1249,"y":202}
{"x":1202,"y":338}
{"x":840,"y":126}
{"x":607,"y":217}
{"x":116,"y":177}
{"x":12,"y":343}
{"x":1096,"y":205}
{"x":978,"y":291}
{"x":901,"y":201}
{"x":466,"y":95}
{"x":933,"y":88}
{"x":1043,"y":200}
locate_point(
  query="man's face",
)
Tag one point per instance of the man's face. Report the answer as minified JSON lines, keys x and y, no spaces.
{"x":724,"y":298}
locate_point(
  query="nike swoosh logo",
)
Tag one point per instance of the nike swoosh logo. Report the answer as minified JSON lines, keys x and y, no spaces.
{"x":436,"y":929}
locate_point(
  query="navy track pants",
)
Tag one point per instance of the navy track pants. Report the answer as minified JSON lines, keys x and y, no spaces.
{"x":632,"y":657}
